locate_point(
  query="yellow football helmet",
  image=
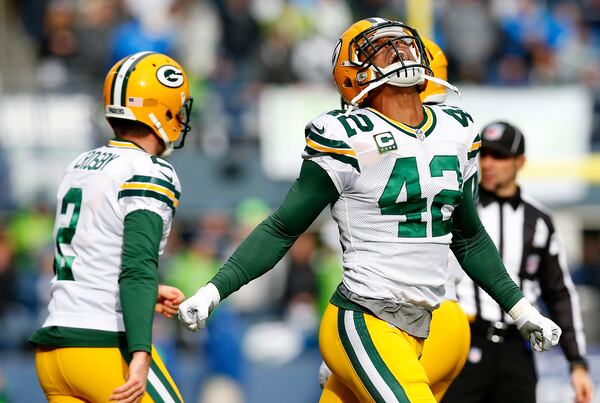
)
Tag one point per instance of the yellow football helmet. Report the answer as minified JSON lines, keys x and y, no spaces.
{"x":435,"y":93}
{"x":153,"y":89}
{"x":354,"y":73}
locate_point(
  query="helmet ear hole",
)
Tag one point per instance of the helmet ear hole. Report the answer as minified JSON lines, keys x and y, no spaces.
{"x":348,"y":83}
{"x":169,"y":115}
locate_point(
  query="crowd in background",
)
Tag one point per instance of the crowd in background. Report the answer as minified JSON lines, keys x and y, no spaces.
{"x":230,"y":50}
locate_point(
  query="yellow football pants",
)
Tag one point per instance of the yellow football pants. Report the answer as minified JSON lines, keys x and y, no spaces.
{"x":371,"y":361}
{"x":446,"y":349}
{"x":86,"y":374}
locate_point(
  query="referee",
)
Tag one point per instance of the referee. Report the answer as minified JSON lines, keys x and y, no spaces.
{"x":500,"y":366}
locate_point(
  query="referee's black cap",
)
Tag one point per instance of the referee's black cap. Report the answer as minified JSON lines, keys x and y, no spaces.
{"x":502,"y":139}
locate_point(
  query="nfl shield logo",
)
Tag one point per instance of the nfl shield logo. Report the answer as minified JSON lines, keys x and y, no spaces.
{"x":493,"y":133}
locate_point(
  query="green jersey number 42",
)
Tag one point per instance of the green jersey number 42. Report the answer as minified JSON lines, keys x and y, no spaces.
{"x":406,"y":175}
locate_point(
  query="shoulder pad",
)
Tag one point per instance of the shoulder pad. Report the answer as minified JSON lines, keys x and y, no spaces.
{"x":345,"y":126}
{"x":326,"y":135}
{"x":151,"y":177}
{"x":457,"y":114}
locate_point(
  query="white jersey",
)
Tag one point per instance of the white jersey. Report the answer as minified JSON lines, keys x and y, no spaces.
{"x":454,"y":276}
{"x":398,"y":188}
{"x":99,"y":189}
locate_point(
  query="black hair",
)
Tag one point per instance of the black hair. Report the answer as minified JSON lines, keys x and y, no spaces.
{"x":125,"y":127}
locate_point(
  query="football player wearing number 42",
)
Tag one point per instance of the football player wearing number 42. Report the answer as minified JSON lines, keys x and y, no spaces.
{"x":446,"y":348}
{"x":398,"y":176}
{"x":115,"y":208}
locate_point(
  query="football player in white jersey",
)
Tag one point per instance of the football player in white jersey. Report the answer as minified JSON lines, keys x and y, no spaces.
{"x":115,"y":208}
{"x":398,"y":176}
{"x":446,"y":348}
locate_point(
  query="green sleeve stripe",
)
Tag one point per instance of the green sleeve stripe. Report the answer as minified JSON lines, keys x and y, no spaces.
{"x":472,"y":154}
{"x":325,"y":141}
{"x":155,"y":181}
{"x":147,"y":193}
{"x":342,"y":158}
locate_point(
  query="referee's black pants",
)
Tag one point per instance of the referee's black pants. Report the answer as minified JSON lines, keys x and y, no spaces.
{"x":498,"y":370}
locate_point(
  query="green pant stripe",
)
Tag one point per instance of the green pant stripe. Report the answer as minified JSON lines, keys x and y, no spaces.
{"x":153,"y":393}
{"x":380,"y":366}
{"x":163,"y":379}
{"x":362,"y":375}
{"x":149,"y":388}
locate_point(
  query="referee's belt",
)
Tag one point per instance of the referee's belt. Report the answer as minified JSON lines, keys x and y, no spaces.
{"x":496,"y":332}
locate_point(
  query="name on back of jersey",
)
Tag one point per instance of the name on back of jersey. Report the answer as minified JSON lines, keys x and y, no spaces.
{"x":95,"y":160}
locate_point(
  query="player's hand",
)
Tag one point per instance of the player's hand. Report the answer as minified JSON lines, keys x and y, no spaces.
{"x":541,"y":332}
{"x":324,"y":374}
{"x":194,"y":311}
{"x":135,"y":386}
{"x":168,"y":300}
{"x":582,"y":385}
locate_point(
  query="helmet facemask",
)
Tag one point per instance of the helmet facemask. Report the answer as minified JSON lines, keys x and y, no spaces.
{"x":402,"y":73}
{"x":354,"y":70}
{"x":183,"y":117}
{"x":182,"y":122}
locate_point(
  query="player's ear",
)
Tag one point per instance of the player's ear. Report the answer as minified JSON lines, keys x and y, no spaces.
{"x":520,"y":161}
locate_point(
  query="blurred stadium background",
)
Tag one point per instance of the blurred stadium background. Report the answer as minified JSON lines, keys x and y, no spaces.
{"x":260,"y":69}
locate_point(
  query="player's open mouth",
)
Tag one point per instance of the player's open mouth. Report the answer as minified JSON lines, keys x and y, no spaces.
{"x":395,"y":57}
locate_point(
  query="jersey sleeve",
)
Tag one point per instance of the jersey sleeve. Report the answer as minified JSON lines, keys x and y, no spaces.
{"x":152,"y":185}
{"x":472,"y":165}
{"x":327,"y":144}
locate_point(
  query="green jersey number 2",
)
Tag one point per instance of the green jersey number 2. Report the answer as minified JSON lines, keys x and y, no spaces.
{"x":64,"y":235}
{"x":406,"y":175}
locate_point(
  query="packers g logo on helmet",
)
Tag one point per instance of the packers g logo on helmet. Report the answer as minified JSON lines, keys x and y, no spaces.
{"x":354,"y":72}
{"x":153,"y":89}
{"x":170,"y":76}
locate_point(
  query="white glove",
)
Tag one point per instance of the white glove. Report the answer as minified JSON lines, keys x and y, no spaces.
{"x":324,"y":374}
{"x":541,"y":332}
{"x":194,"y":311}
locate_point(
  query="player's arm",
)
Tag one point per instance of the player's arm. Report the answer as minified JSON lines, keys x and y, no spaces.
{"x":138,"y":281}
{"x":478,"y":255}
{"x":267,"y":244}
{"x":138,"y":285}
{"x":480,"y":259}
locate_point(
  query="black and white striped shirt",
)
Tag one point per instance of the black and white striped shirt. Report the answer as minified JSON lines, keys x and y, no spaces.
{"x":533,"y":254}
